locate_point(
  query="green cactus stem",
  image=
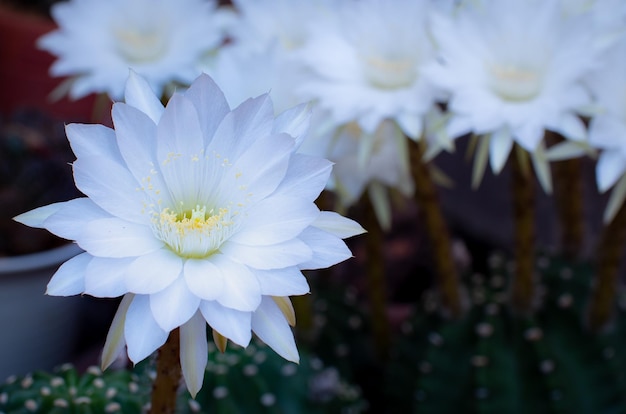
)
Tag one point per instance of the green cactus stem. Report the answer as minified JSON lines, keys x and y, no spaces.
{"x":376,"y":281}
{"x":523,"y":286}
{"x":610,"y":253}
{"x":431,"y":212}
{"x":568,"y":195}
{"x":165,"y":386}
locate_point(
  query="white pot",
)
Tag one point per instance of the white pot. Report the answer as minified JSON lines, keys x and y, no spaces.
{"x":36,"y":331}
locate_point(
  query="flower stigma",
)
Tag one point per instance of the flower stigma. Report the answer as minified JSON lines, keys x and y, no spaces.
{"x":514,"y":83}
{"x":390,"y":73}
{"x":195,"y":233}
{"x":140,"y":45}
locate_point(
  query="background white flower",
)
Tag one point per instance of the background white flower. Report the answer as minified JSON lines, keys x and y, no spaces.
{"x":196,"y":214}
{"x":367,"y":67}
{"x":282,"y":23}
{"x":513,"y":69}
{"x":98,"y":41}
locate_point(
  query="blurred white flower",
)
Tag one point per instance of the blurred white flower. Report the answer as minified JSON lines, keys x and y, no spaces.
{"x":98,"y":41}
{"x":512,"y":70}
{"x":196,"y":214}
{"x":282,"y":23}
{"x":370,"y":162}
{"x":607,"y":129}
{"x":367,"y":67}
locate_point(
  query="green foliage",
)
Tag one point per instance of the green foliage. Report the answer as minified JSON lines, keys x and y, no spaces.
{"x":495,"y":361}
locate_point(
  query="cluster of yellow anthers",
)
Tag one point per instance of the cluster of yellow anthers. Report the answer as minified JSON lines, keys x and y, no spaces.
{"x":194,"y":233}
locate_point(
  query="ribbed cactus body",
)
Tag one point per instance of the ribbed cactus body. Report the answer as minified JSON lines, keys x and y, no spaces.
{"x":257,"y":380}
{"x":64,"y":391}
{"x":251,"y":380}
{"x":495,"y":361}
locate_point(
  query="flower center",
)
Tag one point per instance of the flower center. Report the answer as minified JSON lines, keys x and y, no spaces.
{"x":514,"y":83}
{"x":390,"y":73}
{"x":194,"y":233}
{"x":140,"y":45}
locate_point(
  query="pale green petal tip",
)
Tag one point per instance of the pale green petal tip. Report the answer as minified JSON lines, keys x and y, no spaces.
{"x":616,"y":199}
{"x":380,"y":202}
{"x":115,"y":341}
{"x":36,"y":217}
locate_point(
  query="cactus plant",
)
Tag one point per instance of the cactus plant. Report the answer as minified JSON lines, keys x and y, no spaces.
{"x":66,"y":391}
{"x":250,"y":380}
{"x":257,"y":380}
{"x":494,"y":360}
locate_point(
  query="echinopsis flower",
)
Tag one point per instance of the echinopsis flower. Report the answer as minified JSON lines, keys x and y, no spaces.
{"x":514,"y":69}
{"x":367,"y":67}
{"x":196,"y":214}
{"x":365,"y":72}
{"x":164,"y":41}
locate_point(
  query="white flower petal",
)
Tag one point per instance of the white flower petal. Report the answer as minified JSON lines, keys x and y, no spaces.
{"x":500,"y":146}
{"x":314,"y":171}
{"x":328,"y":249}
{"x":92,"y":140}
{"x":70,"y":278}
{"x":115,"y":343}
{"x":230,"y":323}
{"x":209,"y":100}
{"x":609,"y":168}
{"x":106,"y":278}
{"x":572,"y":127}
{"x":203,"y":278}
{"x":607,"y":131}
{"x":174,"y":305}
{"x":179,"y":128}
{"x":294,"y":121}
{"x":264,"y":164}
{"x":241,"y":127}
{"x":241,"y":288}
{"x":140,"y":95}
{"x":282,"y":282}
{"x":193,"y":352}
{"x":276,"y":219}
{"x":270,"y":325}
{"x":71,"y":219}
{"x":142,"y":333}
{"x":338,"y":225}
{"x":113,"y":237}
{"x":137,"y":135}
{"x":529,"y":136}
{"x":153,"y":272}
{"x":115,"y":191}
{"x":274,"y":256}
